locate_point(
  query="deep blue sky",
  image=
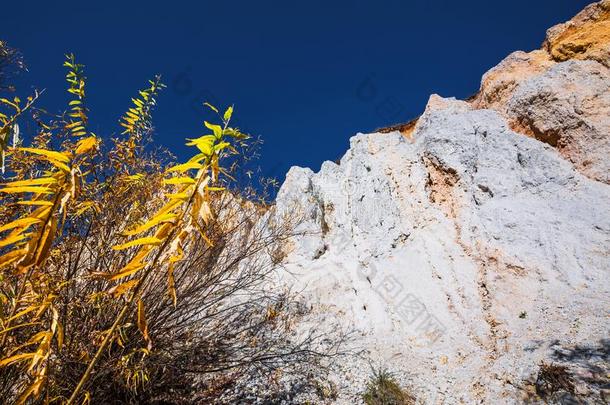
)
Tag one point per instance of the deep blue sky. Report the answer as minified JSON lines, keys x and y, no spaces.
{"x":294,"y":70}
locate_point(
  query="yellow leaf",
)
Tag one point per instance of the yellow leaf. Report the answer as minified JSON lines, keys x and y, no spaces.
{"x":197,"y":200}
{"x":135,"y":177}
{"x":57,"y":328}
{"x":63,"y":157}
{"x":142,"y":253}
{"x":131,"y":268}
{"x":152,"y":222}
{"x":171,"y":205}
{"x":217,"y":129}
{"x":60,"y":336}
{"x":45,"y":242}
{"x":228,"y":113}
{"x":22,"y":325}
{"x":31,"y":182}
{"x":7,"y":102}
{"x":60,"y":165}
{"x":33,"y":389}
{"x":121,"y":289}
{"x":85,"y":206}
{"x":41,"y":212}
{"x":205,"y":212}
{"x":163,"y":231}
{"x":198,"y":157}
{"x":20,"y":223}
{"x":179,"y":180}
{"x":43,"y":203}
{"x":203,"y":143}
{"x":137,"y":242}
{"x":25,"y":189}
{"x":16,"y":358}
{"x":170,"y":274}
{"x":211,"y":107}
{"x":184,"y":167}
{"x":86,"y":144}
{"x":74,"y":124}
{"x":38,"y":337}
{"x":142,"y":321}
{"x":171,"y":285}
{"x":13,"y":238}
{"x":11,"y":256}
{"x":178,"y":196}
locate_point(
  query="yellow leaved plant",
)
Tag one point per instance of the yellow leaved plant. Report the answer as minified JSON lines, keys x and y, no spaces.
{"x":52,"y":260}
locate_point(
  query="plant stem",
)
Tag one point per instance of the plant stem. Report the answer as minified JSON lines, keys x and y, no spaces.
{"x":125,"y":308}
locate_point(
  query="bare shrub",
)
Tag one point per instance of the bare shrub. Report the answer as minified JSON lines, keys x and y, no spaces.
{"x":553,"y":378}
{"x":128,"y":278}
{"x":10,"y":63}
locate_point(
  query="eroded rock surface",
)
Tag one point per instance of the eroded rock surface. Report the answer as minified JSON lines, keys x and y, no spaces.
{"x":460,"y":260}
{"x":464,"y":255}
{"x":560,"y":94}
{"x":586,"y":36}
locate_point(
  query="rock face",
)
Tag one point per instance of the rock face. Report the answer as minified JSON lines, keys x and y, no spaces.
{"x":459,"y":259}
{"x":586,"y":36}
{"x":560,"y":94}
{"x":462,"y":257}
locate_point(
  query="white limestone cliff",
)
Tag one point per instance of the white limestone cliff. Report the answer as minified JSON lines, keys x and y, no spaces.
{"x":465,"y":254}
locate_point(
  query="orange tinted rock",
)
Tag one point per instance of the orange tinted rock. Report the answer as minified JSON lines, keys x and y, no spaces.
{"x":499,"y":83}
{"x":586,"y":36}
